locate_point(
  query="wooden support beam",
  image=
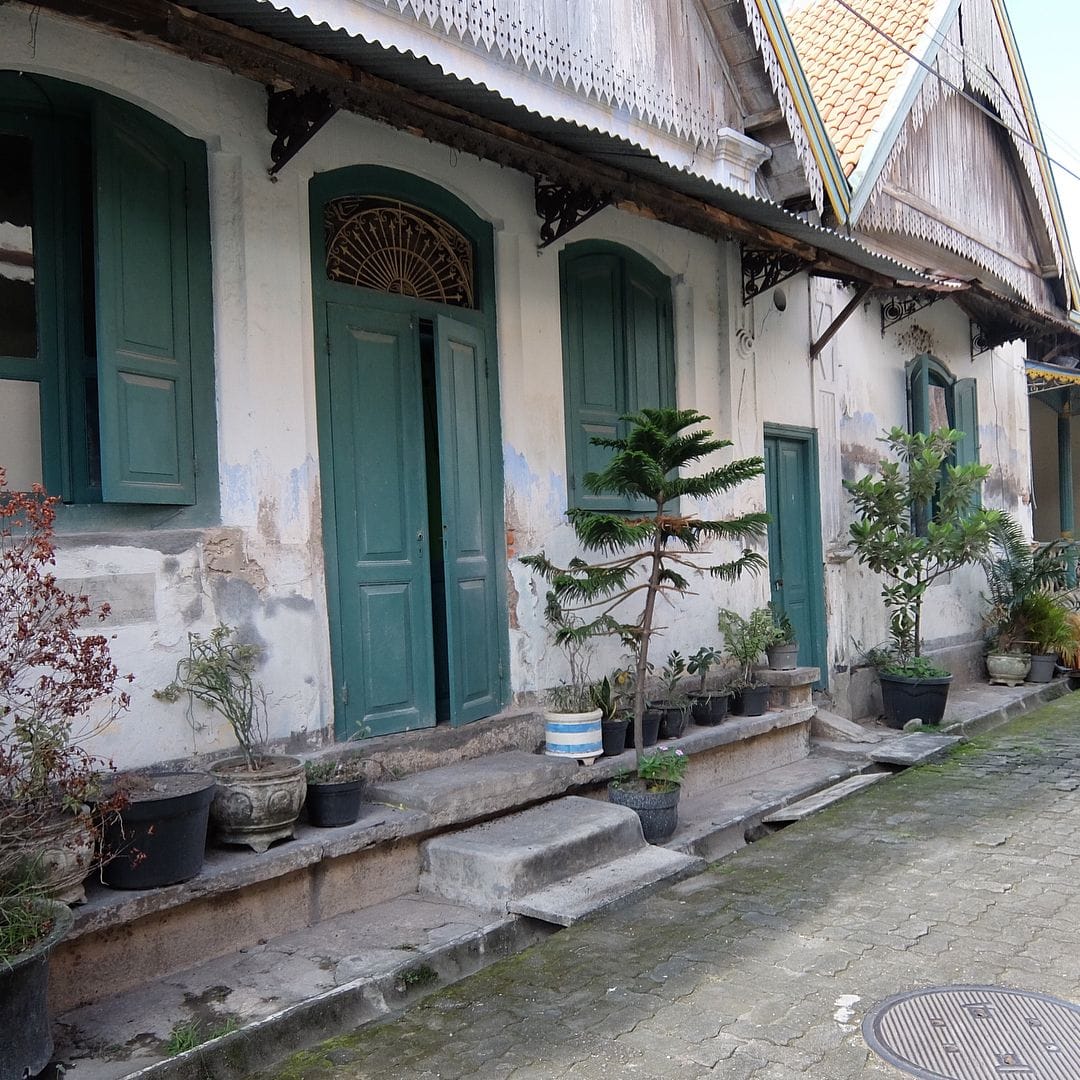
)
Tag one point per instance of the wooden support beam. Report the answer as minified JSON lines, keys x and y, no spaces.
{"x":208,"y":40}
{"x":834,"y":326}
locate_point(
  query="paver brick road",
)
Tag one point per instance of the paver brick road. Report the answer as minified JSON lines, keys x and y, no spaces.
{"x":763,"y":967}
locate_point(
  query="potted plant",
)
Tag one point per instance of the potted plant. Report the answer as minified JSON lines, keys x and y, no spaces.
{"x":672,"y":704}
{"x":917,"y":520}
{"x":653,"y":791}
{"x":708,"y":706}
{"x":744,"y":641}
{"x":58,"y":688}
{"x":1051,"y":632}
{"x":334,"y":789}
{"x":613,"y":719}
{"x":646,"y":556}
{"x":783,"y":652}
{"x":1015,"y":571}
{"x":31,"y":926}
{"x":259,"y":795}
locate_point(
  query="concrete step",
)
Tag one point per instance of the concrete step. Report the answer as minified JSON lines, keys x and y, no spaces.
{"x":916,"y":749}
{"x":489,"y":865}
{"x":609,"y":885}
{"x":796,"y":811}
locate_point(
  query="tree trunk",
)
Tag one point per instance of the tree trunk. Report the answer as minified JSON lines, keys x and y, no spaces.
{"x":646,"y":633}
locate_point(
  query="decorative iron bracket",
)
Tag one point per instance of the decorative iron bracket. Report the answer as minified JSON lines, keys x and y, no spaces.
{"x":293,"y":118}
{"x":563,"y":208}
{"x":895,"y":309}
{"x":980,"y":343}
{"x":763,"y":268}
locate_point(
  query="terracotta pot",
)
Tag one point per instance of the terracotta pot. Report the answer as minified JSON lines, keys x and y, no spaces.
{"x":257,"y":807}
{"x":1007,"y":669}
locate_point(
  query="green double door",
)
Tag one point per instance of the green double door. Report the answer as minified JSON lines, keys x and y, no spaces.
{"x":795,"y":562}
{"x":413,"y":517}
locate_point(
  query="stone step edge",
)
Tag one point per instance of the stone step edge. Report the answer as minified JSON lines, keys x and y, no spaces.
{"x":266,"y":1042}
{"x":984,"y":722}
{"x":607,"y":886}
{"x":826,"y":797}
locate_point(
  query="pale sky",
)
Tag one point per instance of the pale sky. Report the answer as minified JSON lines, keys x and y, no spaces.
{"x":1048,"y":33}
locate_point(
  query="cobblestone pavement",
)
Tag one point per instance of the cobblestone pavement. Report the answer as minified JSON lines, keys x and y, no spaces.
{"x":763,"y":967}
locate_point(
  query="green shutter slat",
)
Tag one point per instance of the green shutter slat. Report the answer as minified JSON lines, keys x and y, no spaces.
{"x":468,"y":507}
{"x":966,"y":405}
{"x":144,"y":312}
{"x":919,"y":395}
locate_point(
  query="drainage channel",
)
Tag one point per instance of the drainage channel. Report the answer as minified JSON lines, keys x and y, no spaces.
{"x":977,"y":1033}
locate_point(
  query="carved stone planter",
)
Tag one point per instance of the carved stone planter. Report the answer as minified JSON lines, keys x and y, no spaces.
{"x":1007,"y":669}
{"x":257,"y":807}
{"x":62,"y":849}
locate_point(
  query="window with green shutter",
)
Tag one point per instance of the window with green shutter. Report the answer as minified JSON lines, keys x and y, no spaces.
{"x":618,"y":353}
{"x":937,"y":400}
{"x":105,"y":357}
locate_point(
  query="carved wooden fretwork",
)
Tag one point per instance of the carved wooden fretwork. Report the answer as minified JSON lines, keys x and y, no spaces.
{"x":292,"y":118}
{"x":897,"y":308}
{"x":762,"y":269}
{"x":563,"y":207}
{"x":393,"y":247}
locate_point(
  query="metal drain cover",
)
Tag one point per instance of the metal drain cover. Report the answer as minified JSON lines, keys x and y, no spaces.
{"x":977,"y":1033}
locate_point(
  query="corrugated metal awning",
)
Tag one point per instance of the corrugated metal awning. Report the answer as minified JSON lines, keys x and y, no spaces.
{"x":1049,"y":376}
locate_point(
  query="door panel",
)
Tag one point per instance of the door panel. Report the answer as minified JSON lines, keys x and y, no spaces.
{"x":794,"y":543}
{"x":472,"y":616}
{"x":376,"y":419}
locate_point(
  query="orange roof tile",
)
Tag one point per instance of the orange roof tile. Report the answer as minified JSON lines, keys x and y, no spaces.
{"x":852,"y":68}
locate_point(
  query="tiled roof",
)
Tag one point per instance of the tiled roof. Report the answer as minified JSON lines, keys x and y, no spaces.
{"x":852,"y":69}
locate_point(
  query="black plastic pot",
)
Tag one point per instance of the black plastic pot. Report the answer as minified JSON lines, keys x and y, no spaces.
{"x":709,"y":709}
{"x":160,"y":837}
{"x":613,"y":734}
{"x":783,"y":657}
{"x":674,"y":718}
{"x":650,"y":729}
{"x":332,"y":805}
{"x":658,"y":810}
{"x":904,"y":699}
{"x":1043,"y":666}
{"x":25,"y":1031}
{"x":750,"y":701}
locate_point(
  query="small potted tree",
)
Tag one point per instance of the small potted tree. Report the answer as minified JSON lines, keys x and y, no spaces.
{"x":647,"y":556}
{"x":917,"y":520}
{"x":783,"y":653}
{"x":259,"y":795}
{"x":745,"y":640}
{"x":708,"y":706}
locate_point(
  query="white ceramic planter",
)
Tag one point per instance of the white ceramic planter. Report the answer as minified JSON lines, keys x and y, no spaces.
{"x":574,"y":735}
{"x":1007,"y":669}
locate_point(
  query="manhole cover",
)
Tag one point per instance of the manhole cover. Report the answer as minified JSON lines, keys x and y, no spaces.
{"x":977,"y":1033}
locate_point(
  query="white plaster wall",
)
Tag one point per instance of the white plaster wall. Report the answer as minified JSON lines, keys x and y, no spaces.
{"x":741,"y":365}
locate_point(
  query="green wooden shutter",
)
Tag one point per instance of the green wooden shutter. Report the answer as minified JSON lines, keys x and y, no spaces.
{"x":594,"y":367}
{"x":966,"y":411}
{"x":144,"y":312}
{"x":649,"y":345}
{"x":919,"y":395}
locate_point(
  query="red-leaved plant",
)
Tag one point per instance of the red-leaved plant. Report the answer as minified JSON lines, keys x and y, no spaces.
{"x":58,"y":688}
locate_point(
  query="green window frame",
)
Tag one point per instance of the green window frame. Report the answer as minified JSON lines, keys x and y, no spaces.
{"x":618,"y":353}
{"x":121,"y":268}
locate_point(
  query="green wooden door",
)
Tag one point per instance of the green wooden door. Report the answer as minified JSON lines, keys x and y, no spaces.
{"x":472,"y":606}
{"x":795,"y":564}
{"x":381,"y":526}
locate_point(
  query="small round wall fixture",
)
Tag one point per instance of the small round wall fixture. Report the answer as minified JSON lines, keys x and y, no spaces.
{"x":977,"y":1032}
{"x":779,"y":299}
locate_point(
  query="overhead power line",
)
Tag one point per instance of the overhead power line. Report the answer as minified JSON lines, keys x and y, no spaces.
{"x":958,"y":89}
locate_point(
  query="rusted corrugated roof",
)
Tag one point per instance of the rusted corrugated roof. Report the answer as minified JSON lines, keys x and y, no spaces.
{"x":853,"y":68}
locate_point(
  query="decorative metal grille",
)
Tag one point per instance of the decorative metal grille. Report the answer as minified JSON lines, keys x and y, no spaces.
{"x":393,"y":247}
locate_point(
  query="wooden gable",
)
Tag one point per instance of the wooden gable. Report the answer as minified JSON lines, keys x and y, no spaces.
{"x":956,"y":186}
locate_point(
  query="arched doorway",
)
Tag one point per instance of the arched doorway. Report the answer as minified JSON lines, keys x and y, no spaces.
{"x":410,"y":452}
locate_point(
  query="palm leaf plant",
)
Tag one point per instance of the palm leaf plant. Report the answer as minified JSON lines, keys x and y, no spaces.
{"x":645,"y":556}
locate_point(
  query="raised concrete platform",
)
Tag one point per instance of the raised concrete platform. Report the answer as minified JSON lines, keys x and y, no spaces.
{"x":914,"y":749}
